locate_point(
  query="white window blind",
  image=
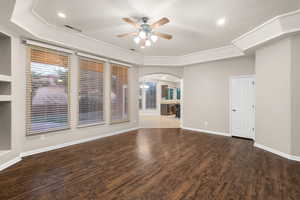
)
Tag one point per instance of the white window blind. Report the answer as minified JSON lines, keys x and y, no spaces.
{"x":119,"y":93}
{"x":91,"y":91}
{"x":47,"y":91}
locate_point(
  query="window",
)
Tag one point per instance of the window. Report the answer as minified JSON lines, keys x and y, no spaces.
{"x":47,"y":91}
{"x":150,"y":93}
{"x":91,"y":92}
{"x":141,"y":96}
{"x":119,"y":93}
{"x":178,"y":93}
{"x":170,"y":94}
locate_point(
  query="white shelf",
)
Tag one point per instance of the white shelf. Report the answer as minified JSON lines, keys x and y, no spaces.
{"x":5,"y":78}
{"x":5,"y":98}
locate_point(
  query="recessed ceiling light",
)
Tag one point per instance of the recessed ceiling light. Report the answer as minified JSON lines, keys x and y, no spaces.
{"x":221,"y":21}
{"x":61,"y":15}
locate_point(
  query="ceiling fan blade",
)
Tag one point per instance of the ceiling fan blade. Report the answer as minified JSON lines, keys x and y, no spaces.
{"x":126,"y":34}
{"x":164,"y":35}
{"x":160,"y":22}
{"x":129,"y":21}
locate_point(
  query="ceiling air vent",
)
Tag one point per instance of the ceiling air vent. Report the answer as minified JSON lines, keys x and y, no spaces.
{"x":73,"y":28}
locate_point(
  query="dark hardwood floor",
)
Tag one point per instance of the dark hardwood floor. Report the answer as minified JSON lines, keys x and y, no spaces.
{"x":156,"y":164}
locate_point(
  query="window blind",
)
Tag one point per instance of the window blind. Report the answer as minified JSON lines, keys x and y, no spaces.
{"x":91,"y":88}
{"x":47,"y":91}
{"x":119,"y":93}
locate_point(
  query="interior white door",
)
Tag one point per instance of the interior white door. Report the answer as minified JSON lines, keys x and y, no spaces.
{"x":243,"y":107}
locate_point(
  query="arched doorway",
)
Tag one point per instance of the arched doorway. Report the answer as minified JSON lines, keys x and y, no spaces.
{"x":160,"y":97}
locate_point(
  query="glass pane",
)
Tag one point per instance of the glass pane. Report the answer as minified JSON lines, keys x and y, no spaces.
{"x":141,"y":95}
{"x":49,"y":97}
{"x":150,"y":93}
{"x":171,"y":94}
{"x":178,"y":93}
{"x":91,"y":97}
{"x":119,"y":93}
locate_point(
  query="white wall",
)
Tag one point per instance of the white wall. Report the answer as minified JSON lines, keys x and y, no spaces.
{"x":206,"y":92}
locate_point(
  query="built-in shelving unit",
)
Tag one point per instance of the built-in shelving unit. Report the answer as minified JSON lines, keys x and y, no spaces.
{"x":5,"y":93}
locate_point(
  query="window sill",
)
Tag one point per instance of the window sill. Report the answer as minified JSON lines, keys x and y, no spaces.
{"x":119,"y":122}
{"x":89,"y":125}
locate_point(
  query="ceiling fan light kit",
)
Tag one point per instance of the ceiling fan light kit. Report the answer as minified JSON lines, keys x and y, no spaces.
{"x":145,"y":35}
{"x":154,"y":38}
{"x":137,"y":39}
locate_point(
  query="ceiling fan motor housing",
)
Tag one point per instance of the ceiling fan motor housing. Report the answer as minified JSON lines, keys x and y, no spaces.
{"x":145,"y":20}
{"x":146,"y":28}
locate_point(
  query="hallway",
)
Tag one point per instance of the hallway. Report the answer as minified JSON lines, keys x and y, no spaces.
{"x":159,"y":121}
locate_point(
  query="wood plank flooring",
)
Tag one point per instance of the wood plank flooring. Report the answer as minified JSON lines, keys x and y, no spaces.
{"x":154,"y":164}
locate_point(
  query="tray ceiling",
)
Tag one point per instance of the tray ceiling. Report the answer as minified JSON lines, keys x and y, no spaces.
{"x":193,"y":22}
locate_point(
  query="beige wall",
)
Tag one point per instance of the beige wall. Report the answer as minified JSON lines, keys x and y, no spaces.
{"x":5,"y":54}
{"x":145,"y":70}
{"x":273,"y":96}
{"x":5,"y":120}
{"x":295,"y":95}
{"x":206,"y":92}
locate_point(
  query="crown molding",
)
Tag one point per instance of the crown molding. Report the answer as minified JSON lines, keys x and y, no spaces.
{"x":225,"y":52}
{"x":162,"y":61}
{"x":31,"y":25}
{"x":209,"y":55}
{"x":277,"y":27}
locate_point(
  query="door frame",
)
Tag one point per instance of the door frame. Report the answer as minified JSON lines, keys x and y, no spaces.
{"x":230,"y":101}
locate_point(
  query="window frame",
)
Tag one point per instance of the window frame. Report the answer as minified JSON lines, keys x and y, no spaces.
{"x":28,"y":100}
{"x":111,"y":121}
{"x":93,"y":59}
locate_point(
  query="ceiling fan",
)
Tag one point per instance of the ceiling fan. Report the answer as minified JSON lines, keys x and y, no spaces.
{"x":146,"y":34}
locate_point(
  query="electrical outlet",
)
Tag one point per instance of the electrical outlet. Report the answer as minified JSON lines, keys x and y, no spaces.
{"x":205,"y":123}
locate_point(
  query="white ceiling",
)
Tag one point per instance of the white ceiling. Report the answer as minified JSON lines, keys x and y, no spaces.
{"x":193,"y":22}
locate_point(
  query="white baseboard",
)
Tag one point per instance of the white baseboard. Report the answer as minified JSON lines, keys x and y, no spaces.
{"x":45,"y":149}
{"x":284,"y":155}
{"x":206,"y":131}
{"x":10,"y":163}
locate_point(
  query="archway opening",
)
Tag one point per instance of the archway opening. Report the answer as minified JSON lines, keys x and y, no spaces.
{"x":160,"y":97}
